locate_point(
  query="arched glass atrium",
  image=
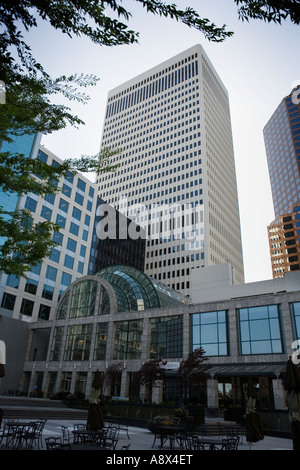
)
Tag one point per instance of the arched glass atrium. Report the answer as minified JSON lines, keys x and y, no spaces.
{"x":119,"y":288}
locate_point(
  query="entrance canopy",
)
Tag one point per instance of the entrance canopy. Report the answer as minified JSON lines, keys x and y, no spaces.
{"x":266,"y":369}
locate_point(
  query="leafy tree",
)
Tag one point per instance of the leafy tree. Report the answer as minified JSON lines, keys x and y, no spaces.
{"x":111,"y":375}
{"x":29,"y":89}
{"x":24,"y":243}
{"x":192,"y":371}
{"x":150,"y":372}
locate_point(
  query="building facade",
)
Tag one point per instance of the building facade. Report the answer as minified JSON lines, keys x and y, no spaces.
{"x":282,"y":142}
{"x":111,"y":243}
{"x":284,"y":242}
{"x":246,"y":331}
{"x":176,"y":171}
{"x":73,"y":209}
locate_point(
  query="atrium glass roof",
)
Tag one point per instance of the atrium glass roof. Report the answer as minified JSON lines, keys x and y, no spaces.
{"x":136,"y":290}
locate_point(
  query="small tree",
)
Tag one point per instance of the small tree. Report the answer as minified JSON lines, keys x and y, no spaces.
{"x":111,"y":375}
{"x":149,"y":373}
{"x":192,"y":370}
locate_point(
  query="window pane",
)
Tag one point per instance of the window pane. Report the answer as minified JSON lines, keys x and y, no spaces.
{"x":210,"y":332}
{"x":261,"y":332}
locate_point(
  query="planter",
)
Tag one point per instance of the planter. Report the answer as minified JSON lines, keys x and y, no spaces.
{"x":234,"y":414}
{"x":197,"y":412}
{"x":137,"y":411}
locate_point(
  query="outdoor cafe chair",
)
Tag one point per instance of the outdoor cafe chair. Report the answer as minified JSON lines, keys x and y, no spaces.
{"x":111,"y":438}
{"x":126,"y":447}
{"x":40,"y":424}
{"x":7,"y":436}
{"x":230,"y":443}
{"x":53,"y":443}
{"x":66,"y":436}
{"x":29,"y":435}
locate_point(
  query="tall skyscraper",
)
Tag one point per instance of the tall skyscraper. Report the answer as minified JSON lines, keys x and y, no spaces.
{"x":282,"y":142}
{"x":176,"y":171}
{"x":284,"y":242}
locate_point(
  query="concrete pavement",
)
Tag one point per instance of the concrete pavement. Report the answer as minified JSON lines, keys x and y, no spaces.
{"x":142,"y":439}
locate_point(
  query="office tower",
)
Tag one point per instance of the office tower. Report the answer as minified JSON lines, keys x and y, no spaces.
{"x":73,"y":209}
{"x":115,"y":248}
{"x":284,"y":242}
{"x":282,"y":143}
{"x":27,"y":145}
{"x":176,"y":170}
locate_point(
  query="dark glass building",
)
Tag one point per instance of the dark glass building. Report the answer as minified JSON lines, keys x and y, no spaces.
{"x":116,"y":240}
{"x":282,"y":142}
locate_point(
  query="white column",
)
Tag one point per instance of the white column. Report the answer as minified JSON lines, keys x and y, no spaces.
{"x":212,"y":393}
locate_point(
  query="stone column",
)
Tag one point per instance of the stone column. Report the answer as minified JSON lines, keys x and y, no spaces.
{"x":278,"y":392}
{"x":212,"y":393}
{"x":124,"y":386}
{"x":157,"y":392}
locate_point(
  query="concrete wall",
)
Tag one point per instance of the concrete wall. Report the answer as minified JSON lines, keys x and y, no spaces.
{"x":15,"y":335}
{"x":217,"y":282}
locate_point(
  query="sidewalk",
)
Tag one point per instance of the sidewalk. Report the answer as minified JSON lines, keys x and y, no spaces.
{"x":142,"y":439}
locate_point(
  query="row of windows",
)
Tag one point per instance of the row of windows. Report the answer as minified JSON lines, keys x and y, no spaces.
{"x":161,"y":84}
{"x":27,"y":306}
{"x":155,"y":111}
{"x":69,"y":178}
{"x":259,"y":332}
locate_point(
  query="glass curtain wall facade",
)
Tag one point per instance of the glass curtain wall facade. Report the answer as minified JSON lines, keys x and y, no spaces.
{"x":282,"y":143}
{"x":176,"y":175}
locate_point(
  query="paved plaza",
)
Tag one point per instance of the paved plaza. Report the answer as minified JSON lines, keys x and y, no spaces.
{"x":142,"y":439}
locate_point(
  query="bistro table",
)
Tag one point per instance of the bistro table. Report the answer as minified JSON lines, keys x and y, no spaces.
{"x":89,"y":437}
{"x":18,"y":433}
{"x":209,"y":443}
{"x":169,"y":432}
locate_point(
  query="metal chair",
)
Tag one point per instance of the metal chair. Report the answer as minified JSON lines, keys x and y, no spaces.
{"x":31,"y":434}
{"x":231,"y":443}
{"x":8,"y":436}
{"x":40,"y":424}
{"x":111,"y":438}
{"x":53,"y":443}
{"x":66,"y":436}
{"x":126,"y":447}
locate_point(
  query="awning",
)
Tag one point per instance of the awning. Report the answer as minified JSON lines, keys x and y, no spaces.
{"x":266,"y":369}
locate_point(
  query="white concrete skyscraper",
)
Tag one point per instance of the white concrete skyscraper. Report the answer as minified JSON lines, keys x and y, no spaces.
{"x":176,"y":169}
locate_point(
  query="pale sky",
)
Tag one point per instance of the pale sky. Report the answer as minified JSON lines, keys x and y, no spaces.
{"x":259,"y":66}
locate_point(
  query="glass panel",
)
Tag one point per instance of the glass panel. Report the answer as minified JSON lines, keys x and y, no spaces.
{"x":243,"y":314}
{"x":246,"y":347}
{"x":63,"y":307}
{"x":209,"y":332}
{"x":259,"y":330}
{"x":128,"y":340}
{"x":261,"y":347}
{"x":264,"y":327}
{"x":56,"y":343}
{"x":166,"y":337}
{"x":244,"y":329}
{"x":101,"y":341}
{"x":258,"y":312}
{"x":210,"y":329}
{"x":104,"y":302}
{"x":83,"y":299}
{"x":78,"y":343}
